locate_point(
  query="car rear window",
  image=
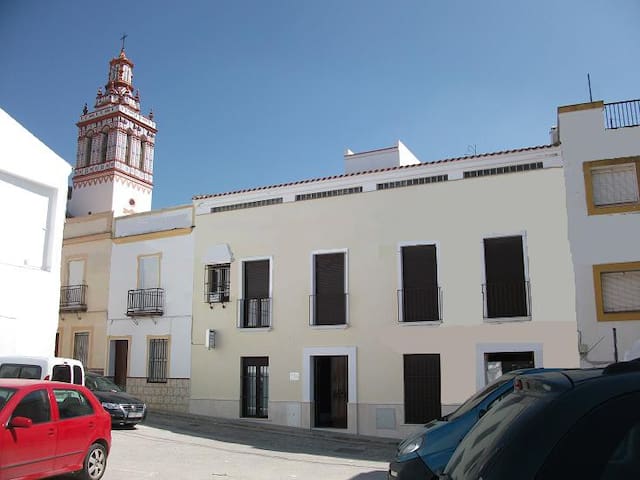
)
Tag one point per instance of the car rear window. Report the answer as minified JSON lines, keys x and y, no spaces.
{"x":477,"y":446}
{"x":61,"y":373}
{"x":19,"y":370}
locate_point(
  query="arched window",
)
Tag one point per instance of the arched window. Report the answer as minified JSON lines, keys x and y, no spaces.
{"x":127,"y":155}
{"x":143,"y":152}
{"x":104,"y":145}
{"x":88,"y":146}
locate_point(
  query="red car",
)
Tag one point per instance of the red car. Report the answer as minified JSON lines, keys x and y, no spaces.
{"x":51,"y":428}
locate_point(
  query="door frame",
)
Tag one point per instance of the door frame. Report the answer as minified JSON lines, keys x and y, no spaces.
{"x":307,"y":375}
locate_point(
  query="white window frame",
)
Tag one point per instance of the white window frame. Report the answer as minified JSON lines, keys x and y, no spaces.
{"x":417,"y":243}
{"x":312,"y":283}
{"x":241,"y":263}
{"x":525,"y":259}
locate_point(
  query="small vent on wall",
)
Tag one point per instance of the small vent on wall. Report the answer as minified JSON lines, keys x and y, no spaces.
{"x":506,"y":169}
{"x":239,"y":206}
{"x":328,"y":193}
{"x":412,"y":181}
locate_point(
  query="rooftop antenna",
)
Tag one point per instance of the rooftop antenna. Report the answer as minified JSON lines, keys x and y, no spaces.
{"x":589,"y":82}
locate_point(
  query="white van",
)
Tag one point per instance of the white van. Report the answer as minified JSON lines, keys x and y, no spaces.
{"x":42,"y":368}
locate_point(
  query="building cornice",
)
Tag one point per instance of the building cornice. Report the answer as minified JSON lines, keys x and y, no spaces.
{"x":153,"y":235}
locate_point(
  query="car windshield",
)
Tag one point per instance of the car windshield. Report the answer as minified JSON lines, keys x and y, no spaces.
{"x":100,"y":384}
{"x":5,"y":395}
{"x":472,"y":402}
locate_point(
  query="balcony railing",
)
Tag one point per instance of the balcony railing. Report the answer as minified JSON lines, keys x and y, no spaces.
{"x":420,"y":304}
{"x":72,"y":298}
{"x":328,"y":309}
{"x":622,"y":114}
{"x":507,"y":299}
{"x":254,"y":312}
{"x":145,"y":301}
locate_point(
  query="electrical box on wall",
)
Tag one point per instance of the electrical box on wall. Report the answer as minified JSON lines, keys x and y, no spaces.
{"x":210,"y":338}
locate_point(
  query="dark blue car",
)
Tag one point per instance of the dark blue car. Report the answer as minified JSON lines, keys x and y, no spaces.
{"x":424,"y":454}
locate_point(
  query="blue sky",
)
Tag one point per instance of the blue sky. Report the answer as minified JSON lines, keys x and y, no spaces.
{"x":257,"y":92}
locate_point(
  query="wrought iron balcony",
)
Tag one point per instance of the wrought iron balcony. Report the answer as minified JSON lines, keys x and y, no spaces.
{"x":145,"y":302}
{"x":72,"y":298}
{"x":254,"y":312}
{"x":328,"y":309}
{"x":622,"y":114}
{"x":420,"y":304}
{"x":507,"y":299}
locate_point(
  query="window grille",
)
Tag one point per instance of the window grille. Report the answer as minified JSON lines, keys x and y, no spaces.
{"x":621,"y":291}
{"x":328,"y":193}
{"x":412,"y":181}
{"x":239,"y":206}
{"x":615,"y":184}
{"x":158,"y":359}
{"x":217,"y":283}
{"x":501,"y":170}
{"x":81,"y":347}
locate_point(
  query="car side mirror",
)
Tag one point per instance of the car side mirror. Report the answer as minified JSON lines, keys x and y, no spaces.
{"x":481,"y":413}
{"x":20,"y":422}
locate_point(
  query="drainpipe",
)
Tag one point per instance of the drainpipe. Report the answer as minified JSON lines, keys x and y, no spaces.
{"x":615,"y":344}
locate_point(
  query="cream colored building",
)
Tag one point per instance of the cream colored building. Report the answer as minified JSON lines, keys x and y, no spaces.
{"x":84,"y":292}
{"x":372,"y":301}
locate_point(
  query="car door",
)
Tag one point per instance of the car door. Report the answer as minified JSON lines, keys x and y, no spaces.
{"x":602,"y":445}
{"x":29,"y":450}
{"x":76,"y":427}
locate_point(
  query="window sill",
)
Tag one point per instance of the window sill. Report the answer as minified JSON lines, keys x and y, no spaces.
{"x":507,"y":319}
{"x":255,"y":329}
{"x":428,"y":323}
{"x":330,"y":327}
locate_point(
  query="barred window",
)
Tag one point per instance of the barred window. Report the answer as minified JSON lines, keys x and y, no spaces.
{"x":502,"y":170}
{"x":614,"y":185}
{"x":81,"y":347}
{"x":412,"y":181}
{"x":617,"y":291}
{"x":328,"y":193}
{"x":217,"y":283}
{"x":240,"y":206}
{"x":158,"y":360}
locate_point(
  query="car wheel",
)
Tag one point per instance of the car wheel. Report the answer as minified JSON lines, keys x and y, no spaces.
{"x":95,"y":463}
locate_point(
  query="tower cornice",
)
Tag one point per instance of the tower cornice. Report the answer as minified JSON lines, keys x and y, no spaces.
{"x":116,"y":111}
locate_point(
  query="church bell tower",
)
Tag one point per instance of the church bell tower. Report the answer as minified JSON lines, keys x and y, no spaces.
{"x":114,"y":163}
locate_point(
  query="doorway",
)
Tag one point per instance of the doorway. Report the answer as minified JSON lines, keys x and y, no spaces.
{"x":119,"y":351}
{"x":330,"y":392}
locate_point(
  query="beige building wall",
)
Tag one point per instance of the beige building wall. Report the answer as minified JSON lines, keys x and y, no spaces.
{"x":87,"y":238}
{"x":370,"y":227}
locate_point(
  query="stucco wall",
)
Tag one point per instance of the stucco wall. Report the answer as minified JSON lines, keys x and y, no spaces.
{"x":597,"y":239}
{"x":371,"y":226}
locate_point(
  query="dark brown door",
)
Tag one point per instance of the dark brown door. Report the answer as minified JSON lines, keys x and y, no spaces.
{"x":330,"y":391}
{"x":422,"y":401}
{"x":122,"y":353}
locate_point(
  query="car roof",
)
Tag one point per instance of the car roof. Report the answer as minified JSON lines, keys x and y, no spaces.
{"x":26,"y":382}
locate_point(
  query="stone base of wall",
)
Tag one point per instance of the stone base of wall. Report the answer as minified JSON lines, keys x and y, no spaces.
{"x":171,"y":396}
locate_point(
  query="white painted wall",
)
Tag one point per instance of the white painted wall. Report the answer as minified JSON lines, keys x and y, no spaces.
{"x":394,"y":156}
{"x":176,"y":278}
{"x":597,"y":239}
{"x":109,"y":196}
{"x":33,"y":188}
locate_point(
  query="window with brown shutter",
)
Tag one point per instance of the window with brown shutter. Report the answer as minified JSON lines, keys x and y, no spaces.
{"x":419,"y":298}
{"x":255,"y":306}
{"x":329,"y":298}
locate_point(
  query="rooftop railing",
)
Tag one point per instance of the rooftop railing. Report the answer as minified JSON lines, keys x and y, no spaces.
{"x":622,"y":114}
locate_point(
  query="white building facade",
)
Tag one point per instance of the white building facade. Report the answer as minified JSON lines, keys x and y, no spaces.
{"x":374,"y":301}
{"x":601,"y":153}
{"x":33,"y":192}
{"x":150,"y":302}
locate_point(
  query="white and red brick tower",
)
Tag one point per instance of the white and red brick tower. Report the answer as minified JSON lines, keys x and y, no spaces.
{"x":114,"y":166}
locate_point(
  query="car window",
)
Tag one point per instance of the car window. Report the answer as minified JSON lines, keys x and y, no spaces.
{"x":15,"y":370}
{"x":602,"y":445}
{"x":101,"y":384}
{"x":61,"y":373}
{"x":72,"y":403}
{"x":479,"y":396}
{"x":77,"y":375}
{"x":34,"y":406}
{"x":5,"y":395}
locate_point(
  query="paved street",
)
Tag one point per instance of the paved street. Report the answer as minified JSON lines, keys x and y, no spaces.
{"x":195,"y":448}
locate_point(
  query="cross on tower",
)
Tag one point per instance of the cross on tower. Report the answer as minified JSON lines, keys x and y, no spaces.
{"x":123,"y":37}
